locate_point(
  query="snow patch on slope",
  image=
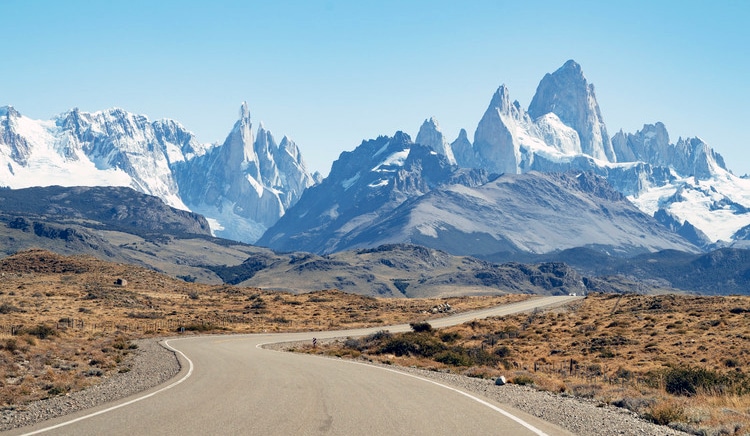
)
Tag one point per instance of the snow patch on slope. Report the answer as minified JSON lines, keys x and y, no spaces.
{"x":719,"y":207}
{"x":225,"y":223}
{"x":396,"y":159}
{"x":348,"y":183}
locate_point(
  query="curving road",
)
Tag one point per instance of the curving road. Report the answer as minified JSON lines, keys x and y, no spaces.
{"x":232,"y":385}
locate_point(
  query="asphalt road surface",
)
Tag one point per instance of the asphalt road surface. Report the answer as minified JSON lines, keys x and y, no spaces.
{"x":232,"y":385}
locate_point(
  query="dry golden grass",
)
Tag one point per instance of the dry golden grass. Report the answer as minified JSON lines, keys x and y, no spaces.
{"x":680,"y":359}
{"x":65,"y":321}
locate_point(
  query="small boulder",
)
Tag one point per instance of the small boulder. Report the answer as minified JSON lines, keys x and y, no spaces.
{"x":500,"y":381}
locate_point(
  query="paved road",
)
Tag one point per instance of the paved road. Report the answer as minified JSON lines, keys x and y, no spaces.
{"x":231,"y":385}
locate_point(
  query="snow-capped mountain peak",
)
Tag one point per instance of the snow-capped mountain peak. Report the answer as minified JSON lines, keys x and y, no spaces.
{"x":567,"y":94}
{"x":431,"y":136}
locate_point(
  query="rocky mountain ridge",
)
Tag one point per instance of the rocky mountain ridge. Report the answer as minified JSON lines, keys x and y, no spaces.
{"x":408,"y":193}
{"x":122,"y":225}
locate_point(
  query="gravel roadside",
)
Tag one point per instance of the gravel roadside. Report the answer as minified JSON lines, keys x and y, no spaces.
{"x":153,"y":364}
{"x":150,"y":365}
{"x":579,"y":416}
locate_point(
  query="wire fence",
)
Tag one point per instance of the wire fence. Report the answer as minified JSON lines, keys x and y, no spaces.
{"x":587,"y":372}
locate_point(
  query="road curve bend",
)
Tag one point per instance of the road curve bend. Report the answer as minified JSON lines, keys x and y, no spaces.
{"x":232,"y":385}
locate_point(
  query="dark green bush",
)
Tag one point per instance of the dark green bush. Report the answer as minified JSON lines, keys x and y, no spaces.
{"x":689,"y":381}
{"x":523,"y":380}
{"x":40,"y":331}
{"x":452,"y":357}
{"x":414,"y":344}
{"x":378,"y":336}
{"x":450,"y":337}
{"x":420,"y":327}
{"x":58,"y":390}
{"x":480,"y":356}
{"x":503,"y":352}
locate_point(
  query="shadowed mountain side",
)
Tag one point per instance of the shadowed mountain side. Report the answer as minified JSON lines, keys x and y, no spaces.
{"x":515,"y":213}
{"x":725,"y":271}
{"x":122,"y":225}
{"x":113,"y":207}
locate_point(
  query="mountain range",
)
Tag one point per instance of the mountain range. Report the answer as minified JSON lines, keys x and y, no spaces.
{"x":241,"y":186}
{"x":535,"y":180}
{"x":685,"y":186}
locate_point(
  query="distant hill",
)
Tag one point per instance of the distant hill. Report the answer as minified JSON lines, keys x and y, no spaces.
{"x":725,"y":271}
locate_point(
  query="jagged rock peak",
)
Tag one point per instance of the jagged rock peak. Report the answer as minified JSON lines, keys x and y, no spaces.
{"x":244,"y":112}
{"x":462,"y":136}
{"x":501,"y":99}
{"x":567,"y":94}
{"x":495,"y":147}
{"x":463,"y":150}
{"x":572,"y":67}
{"x":9,"y":111}
{"x":688,"y":157}
{"x":431,"y":136}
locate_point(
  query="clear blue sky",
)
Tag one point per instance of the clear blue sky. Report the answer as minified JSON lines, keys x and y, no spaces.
{"x":332,"y":73}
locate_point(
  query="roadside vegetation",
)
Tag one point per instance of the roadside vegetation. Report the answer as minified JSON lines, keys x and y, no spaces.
{"x":674,"y":360}
{"x":68,"y":321}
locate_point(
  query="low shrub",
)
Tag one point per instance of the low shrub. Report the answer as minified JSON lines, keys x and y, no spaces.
{"x":523,"y":380}
{"x":453,"y":358}
{"x":41,"y":331}
{"x":689,"y":381}
{"x":198,"y":327}
{"x":58,"y":390}
{"x":503,"y":352}
{"x":450,"y":337}
{"x":586,"y":390}
{"x":11,"y":345}
{"x":663,"y":413}
{"x":412,"y":344}
{"x":420,"y":327}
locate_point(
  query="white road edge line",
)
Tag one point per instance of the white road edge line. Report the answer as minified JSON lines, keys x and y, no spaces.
{"x":466,"y":394}
{"x":135,"y":400}
{"x":505,"y":413}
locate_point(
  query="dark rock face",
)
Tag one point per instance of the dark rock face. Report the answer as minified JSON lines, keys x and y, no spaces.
{"x":115,"y":207}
